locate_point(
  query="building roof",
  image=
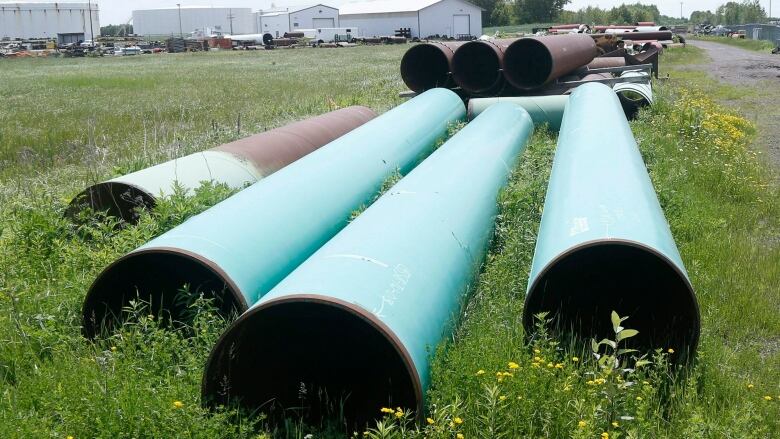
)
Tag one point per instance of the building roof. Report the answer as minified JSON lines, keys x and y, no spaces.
{"x":301,"y":8}
{"x":389,"y":6}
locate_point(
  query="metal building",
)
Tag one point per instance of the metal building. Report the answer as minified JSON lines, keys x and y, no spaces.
{"x":66,"y":22}
{"x":188,"y":19}
{"x":304,"y":17}
{"x":425,"y":18}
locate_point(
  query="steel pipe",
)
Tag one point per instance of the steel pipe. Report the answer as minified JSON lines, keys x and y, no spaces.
{"x":359,"y":319}
{"x":542,"y":109}
{"x":605,"y":62}
{"x":634,"y":95}
{"x":477,"y":66}
{"x":603,"y":242}
{"x":643,"y":36}
{"x":530,"y":63}
{"x":238,"y":250}
{"x":428,"y":65}
{"x":235,"y":164}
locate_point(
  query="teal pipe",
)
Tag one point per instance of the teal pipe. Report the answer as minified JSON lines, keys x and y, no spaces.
{"x":603,"y":242}
{"x":363,"y":315}
{"x":543,"y":109}
{"x":634,"y":95}
{"x":239,"y":249}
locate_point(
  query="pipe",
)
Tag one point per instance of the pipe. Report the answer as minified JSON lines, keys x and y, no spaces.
{"x":235,"y":164}
{"x":532,"y":62}
{"x":634,"y":95}
{"x":357,"y":320}
{"x":566,"y":26}
{"x":606,"y":62}
{"x":659,"y":36}
{"x":596,"y":76}
{"x":542,"y":109}
{"x":603,"y":242}
{"x":645,"y":23}
{"x":477,"y":66}
{"x":613,"y":26}
{"x":428,"y":65}
{"x":239,"y":249}
{"x":651,"y":28}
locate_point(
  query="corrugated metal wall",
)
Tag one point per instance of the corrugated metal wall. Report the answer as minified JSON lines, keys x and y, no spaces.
{"x":768,"y":32}
{"x":47,"y":20}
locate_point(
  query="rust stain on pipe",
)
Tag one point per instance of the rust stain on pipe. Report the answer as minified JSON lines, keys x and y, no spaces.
{"x":530,"y":63}
{"x":605,"y":62}
{"x":429,"y":65}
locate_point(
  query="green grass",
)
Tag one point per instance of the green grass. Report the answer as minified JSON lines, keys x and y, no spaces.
{"x":755,"y":45}
{"x":516,"y":28}
{"x":70,"y":122}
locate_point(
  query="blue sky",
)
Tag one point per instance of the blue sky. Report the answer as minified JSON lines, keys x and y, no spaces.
{"x":120,"y":11}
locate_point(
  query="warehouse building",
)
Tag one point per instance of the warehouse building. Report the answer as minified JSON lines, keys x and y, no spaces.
{"x":305,"y":17}
{"x":425,"y":18}
{"x":66,"y":22}
{"x":188,"y":19}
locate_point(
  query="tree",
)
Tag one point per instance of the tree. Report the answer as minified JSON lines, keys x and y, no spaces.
{"x":539,"y":11}
{"x":113,"y":30}
{"x":501,"y":15}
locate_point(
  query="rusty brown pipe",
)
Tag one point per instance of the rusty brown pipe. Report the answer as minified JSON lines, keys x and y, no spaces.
{"x":530,"y":63}
{"x":643,"y":36}
{"x":428,"y":65}
{"x":606,"y":62}
{"x":477,"y":66}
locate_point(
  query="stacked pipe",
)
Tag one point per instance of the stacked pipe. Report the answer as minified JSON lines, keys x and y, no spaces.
{"x":239,"y":249}
{"x":234,"y":164}
{"x":603,"y":242}
{"x":381,"y":293}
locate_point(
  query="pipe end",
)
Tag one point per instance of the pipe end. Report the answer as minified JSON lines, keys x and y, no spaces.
{"x":528,"y":64}
{"x":117,"y":199}
{"x":314,"y":354}
{"x":425,"y":66}
{"x":476,"y":67}
{"x":581,"y":288}
{"x":167,"y":281}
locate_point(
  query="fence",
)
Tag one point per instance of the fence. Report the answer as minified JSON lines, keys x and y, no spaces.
{"x":768,"y":32}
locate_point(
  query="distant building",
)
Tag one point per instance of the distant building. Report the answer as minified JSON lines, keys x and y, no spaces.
{"x":304,"y":17}
{"x":425,"y":18}
{"x":66,"y":22}
{"x":187,"y":19}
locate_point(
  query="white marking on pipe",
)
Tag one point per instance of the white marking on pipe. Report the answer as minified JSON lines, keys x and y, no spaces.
{"x":579,"y":225}
{"x":362,"y":258}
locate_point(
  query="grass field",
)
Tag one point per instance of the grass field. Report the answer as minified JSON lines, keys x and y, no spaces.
{"x":755,"y":45}
{"x":71,"y":122}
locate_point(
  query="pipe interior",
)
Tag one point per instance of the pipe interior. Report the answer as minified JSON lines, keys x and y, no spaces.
{"x":528,"y":63}
{"x":476,"y":67}
{"x":425,"y":67}
{"x":314,"y":357}
{"x":581,"y":290}
{"x":157,"y":278}
{"x":119,"y":200}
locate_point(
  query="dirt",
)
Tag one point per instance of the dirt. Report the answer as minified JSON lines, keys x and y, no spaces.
{"x":760,"y":74}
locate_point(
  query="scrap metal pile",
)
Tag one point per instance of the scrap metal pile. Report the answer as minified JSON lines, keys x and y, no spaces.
{"x":538,"y":65}
{"x":349,"y":309}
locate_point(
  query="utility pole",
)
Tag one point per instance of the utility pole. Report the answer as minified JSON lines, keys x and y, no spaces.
{"x":681,"y":13}
{"x":181,"y":32}
{"x":91,"y":29}
{"x":231,"y":17}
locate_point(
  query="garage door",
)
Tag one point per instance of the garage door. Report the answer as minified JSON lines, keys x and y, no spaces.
{"x":320,"y":23}
{"x":461,"y":25}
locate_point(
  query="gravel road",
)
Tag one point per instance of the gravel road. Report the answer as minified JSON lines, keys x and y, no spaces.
{"x":759,"y":71}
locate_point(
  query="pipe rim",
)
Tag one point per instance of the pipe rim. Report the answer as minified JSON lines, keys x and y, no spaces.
{"x":108,"y":196}
{"x":528,"y":57}
{"x":433,"y":66}
{"x":476,"y":81}
{"x":528,"y":317}
{"x":215,"y":368}
{"x":91,"y":328}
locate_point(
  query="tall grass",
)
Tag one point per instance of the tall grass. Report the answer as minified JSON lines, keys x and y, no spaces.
{"x":488,"y":378}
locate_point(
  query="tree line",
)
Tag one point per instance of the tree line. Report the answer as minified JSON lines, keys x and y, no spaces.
{"x":507,"y":12}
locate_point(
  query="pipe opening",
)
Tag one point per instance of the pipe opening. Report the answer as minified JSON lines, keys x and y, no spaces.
{"x":527,"y":64}
{"x":632,"y":101}
{"x":476,"y":67}
{"x":158,"y":278}
{"x":314,"y":356}
{"x":582,"y":287}
{"x":119,"y":200}
{"x":424,"y":67}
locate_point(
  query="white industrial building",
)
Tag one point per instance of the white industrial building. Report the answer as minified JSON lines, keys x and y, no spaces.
{"x":66,"y":22}
{"x":305,"y":17}
{"x":187,"y":19}
{"x":425,"y":18}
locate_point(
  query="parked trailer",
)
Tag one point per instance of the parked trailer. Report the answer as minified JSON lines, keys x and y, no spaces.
{"x":334,"y":34}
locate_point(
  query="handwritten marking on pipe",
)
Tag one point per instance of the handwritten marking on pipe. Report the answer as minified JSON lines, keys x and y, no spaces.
{"x":362,"y":258}
{"x":400,"y":279}
{"x":579,"y":225}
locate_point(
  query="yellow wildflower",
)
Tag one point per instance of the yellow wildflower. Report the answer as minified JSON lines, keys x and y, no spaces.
{"x":399,"y":414}
{"x":605,"y":435}
{"x":537,"y":351}
{"x":575,"y":359}
{"x":539,"y":359}
{"x":768,"y":398}
{"x":459,"y":436}
{"x":430,"y":421}
{"x":480,"y":372}
{"x":550,"y":365}
{"x":559,"y":366}
{"x":457,"y":420}
{"x":638,"y":398}
{"x":513,"y":365}
{"x":69,"y":437}
{"x":113,"y":348}
{"x":386,"y":410}
{"x":590,"y":382}
{"x":582,"y":424}
{"x":178,"y":404}
{"x":670,"y":350}
{"x":615,"y":424}
{"x":502,"y":398}
{"x":750,"y":386}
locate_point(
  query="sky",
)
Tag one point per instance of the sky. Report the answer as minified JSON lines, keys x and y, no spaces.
{"x":120,"y":11}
